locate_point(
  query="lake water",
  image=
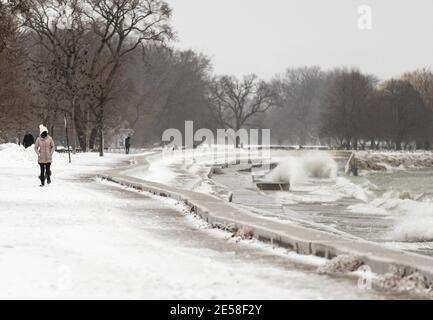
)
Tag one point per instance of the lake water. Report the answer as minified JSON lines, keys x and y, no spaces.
{"x":394,"y":208}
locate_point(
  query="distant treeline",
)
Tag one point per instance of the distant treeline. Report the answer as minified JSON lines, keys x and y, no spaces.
{"x":349,"y":109}
{"x":109,"y":68}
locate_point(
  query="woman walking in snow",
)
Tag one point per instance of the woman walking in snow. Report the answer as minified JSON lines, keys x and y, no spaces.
{"x":44,"y":147}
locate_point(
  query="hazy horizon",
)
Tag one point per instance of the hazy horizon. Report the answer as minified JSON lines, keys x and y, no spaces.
{"x":267,"y":36}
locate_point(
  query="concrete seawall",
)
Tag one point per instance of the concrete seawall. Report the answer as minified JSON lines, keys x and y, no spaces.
{"x":300,"y":239}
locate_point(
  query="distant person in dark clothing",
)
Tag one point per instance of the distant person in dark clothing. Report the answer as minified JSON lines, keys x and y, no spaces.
{"x":28,"y":140}
{"x":127,"y":144}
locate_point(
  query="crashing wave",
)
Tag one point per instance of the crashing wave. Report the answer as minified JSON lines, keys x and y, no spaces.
{"x":413,"y":218}
{"x":311,"y":165}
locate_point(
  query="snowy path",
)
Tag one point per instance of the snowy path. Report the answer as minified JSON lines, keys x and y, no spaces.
{"x":80,"y":238}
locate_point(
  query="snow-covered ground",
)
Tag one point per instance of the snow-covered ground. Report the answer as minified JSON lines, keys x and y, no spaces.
{"x":80,"y":238}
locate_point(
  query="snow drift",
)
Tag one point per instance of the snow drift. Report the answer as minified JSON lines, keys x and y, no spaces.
{"x":13,"y":155}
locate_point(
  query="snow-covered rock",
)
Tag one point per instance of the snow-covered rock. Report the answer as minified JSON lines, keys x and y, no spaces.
{"x":341,"y":264}
{"x":383,"y":161}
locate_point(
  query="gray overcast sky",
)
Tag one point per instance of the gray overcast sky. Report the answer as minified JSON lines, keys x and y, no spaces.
{"x":267,"y":36}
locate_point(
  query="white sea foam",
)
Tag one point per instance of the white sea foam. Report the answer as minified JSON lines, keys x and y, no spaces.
{"x":412,"y":213}
{"x":414,"y":220}
{"x":368,"y":209}
{"x":310,"y":165}
{"x":346,"y":188}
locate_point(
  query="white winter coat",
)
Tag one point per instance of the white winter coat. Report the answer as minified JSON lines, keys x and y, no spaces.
{"x":44,"y":148}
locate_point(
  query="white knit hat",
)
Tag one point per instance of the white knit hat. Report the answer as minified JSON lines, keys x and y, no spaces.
{"x":42,"y":129}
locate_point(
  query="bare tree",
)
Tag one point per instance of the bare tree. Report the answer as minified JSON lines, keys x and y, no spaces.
{"x":11,"y":98}
{"x":6,"y":24}
{"x":300,"y":93}
{"x":374,"y":122}
{"x":168,"y":87}
{"x":346,"y":100}
{"x":9,"y":11}
{"x":234,"y":102}
{"x":59,"y":41}
{"x":14,"y":100}
{"x":88,"y":43}
{"x":422,"y":81}
{"x":121,"y":26}
{"x":403,"y":103}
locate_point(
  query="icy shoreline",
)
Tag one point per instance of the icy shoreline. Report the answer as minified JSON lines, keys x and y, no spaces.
{"x":386,"y":161}
{"x":379,"y":258}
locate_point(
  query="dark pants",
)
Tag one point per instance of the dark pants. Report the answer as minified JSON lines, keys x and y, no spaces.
{"x":45,"y":172}
{"x":127,"y":149}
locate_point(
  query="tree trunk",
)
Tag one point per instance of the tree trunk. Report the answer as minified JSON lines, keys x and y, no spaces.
{"x":88,"y":130}
{"x":101,"y":142}
{"x":92,"y":139}
{"x":238,"y":142}
{"x":398,"y":144}
{"x":80,"y":130}
{"x":303,"y":137}
{"x":355,"y":143}
{"x":100,"y":126}
{"x":81,"y":136}
{"x":377,"y":146}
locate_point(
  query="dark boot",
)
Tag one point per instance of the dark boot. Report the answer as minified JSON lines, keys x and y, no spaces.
{"x":42,"y":180}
